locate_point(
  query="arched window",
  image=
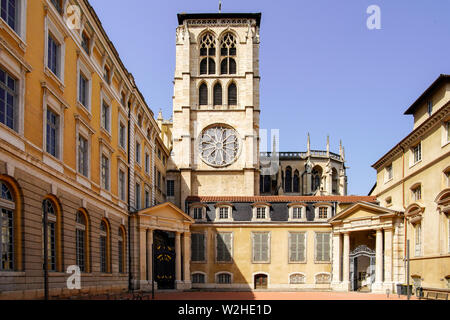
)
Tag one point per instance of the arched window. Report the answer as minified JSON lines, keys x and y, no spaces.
{"x":232,"y":94}
{"x":7,"y":207}
{"x":121,"y":246}
{"x":288,"y":180}
{"x":217,"y":94}
{"x":227,"y":52}
{"x":105,"y":253}
{"x":223,"y":278}
{"x":208,"y":51}
{"x":198,"y":278}
{"x":52,"y":237}
{"x":203,"y":95}
{"x":297,"y":278}
{"x":81,"y":239}
{"x":316,"y":176}
{"x":296,"y":182}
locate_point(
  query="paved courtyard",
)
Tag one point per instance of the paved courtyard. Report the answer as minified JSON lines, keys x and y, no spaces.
{"x":267,"y":295}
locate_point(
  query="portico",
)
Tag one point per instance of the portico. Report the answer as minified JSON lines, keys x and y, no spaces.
{"x":169,"y":228}
{"x":366,"y":248}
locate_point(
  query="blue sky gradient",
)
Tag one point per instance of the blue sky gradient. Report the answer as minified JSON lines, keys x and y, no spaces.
{"x":322,"y":70}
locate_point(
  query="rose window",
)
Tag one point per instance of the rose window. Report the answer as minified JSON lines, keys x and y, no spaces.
{"x":219,"y":145}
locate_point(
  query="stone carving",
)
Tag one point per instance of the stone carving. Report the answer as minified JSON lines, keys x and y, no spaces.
{"x":219,"y":145}
{"x":297,"y":278}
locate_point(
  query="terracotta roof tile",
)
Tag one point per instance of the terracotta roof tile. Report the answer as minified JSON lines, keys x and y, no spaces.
{"x":251,"y":199}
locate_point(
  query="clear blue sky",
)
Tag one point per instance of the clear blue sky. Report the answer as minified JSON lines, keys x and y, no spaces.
{"x":323,"y":71}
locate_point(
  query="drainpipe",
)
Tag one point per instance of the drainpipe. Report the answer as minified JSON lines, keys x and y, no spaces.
{"x":130,"y":285}
{"x":404,"y":207}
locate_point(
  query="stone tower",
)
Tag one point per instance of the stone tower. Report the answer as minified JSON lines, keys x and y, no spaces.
{"x":216,"y":106}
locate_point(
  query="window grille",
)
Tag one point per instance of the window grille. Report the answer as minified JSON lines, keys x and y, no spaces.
{"x":223,"y":278}
{"x":198,"y":278}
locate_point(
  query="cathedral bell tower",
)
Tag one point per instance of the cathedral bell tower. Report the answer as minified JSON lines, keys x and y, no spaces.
{"x":216,"y":106}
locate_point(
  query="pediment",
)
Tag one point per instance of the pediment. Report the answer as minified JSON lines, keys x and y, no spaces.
{"x":166,"y":210}
{"x":362,"y":210}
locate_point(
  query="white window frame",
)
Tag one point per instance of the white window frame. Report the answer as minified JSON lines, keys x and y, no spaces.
{"x":102,"y":186}
{"x":83,"y":132}
{"x":147,"y":165}
{"x":123,"y":169}
{"x":122,"y":121}
{"x":18,"y":35}
{"x":106,"y":150}
{"x":87,"y":73}
{"x":205,"y":277}
{"x":255,"y":212}
{"x":149,"y":202}
{"x":231,"y":247}
{"x":295,"y":273}
{"x":230,"y":212}
{"x":50,"y":27}
{"x":388,"y":178}
{"x":412,"y":160}
{"x":414,"y":189}
{"x":138,"y":157}
{"x":302,"y":208}
{"x":50,"y":102}
{"x":305,"y":249}
{"x":317,"y":210}
{"x":203,"y":210}
{"x":269,"y":249}
{"x":445,"y":133}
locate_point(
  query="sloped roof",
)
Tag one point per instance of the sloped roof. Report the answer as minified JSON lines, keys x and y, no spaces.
{"x":252,"y":199}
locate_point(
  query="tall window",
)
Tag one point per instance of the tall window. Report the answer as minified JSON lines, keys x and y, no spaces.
{"x":227,"y":53}
{"x":9,"y":13}
{"x":104,"y":247}
{"x":122,"y":185}
{"x":105,"y":172}
{"x":138,"y":196}
{"x":315,"y":179}
{"x":105,"y":116}
{"x":85,"y":42}
{"x":81,"y":241}
{"x":138,"y":152}
{"x":297,"y":247}
{"x":322,"y":247}
{"x":8,"y":100}
{"x":170,"y":188}
{"x":158,"y":179}
{"x":122,"y":135}
{"x":417,"y":153}
{"x":121,"y":247}
{"x":389,"y":172}
{"x":203,"y":95}
{"x":418,"y":242}
{"x":107,"y":75}
{"x":296,"y":182}
{"x":223,"y":247}
{"x":198,"y":247}
{"x":53,"y":55}
{"x":261,"y":247}
{"x":232,"y":94}
{"x":52,"y":133}
{"x":207,"y":54}
{"x":83,"y":156}
{"x":288,"y":180}
{"x":83,"y":94}
{"x":147,"y":163}
{"x":147,"y":199}
{"x":7,"y":207}
{"x":217,"y":94}
{"x":51,"y":233}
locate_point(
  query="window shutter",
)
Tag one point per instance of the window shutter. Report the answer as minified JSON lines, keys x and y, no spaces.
{"x":326,"y":247}
{"x":319,"y":245}
{"x":256,"y":247}
{"x":219,"y":247}
{"x":265,"y":247}
{"x":301,"y":247}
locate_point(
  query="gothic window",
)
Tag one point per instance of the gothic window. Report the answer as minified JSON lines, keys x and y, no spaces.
{"x":334,"y":180}
{"x":7,"y":207}
{"x":288,"y":180}
{"x":227,"y":52}
{"x":207,"y":53}
{"x":105,"y":254}
{"x":232,"y":94}
{"x":265,"y":184}
{"x":203,"y":95}
{"x":315,"y":177}
{"x":296,"y":182}
{"x":217,"y":94}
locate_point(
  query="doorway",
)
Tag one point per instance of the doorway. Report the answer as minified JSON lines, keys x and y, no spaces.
{"x":260,"y":281}
{"x":164,"y":259}
{"x":362,"y":269}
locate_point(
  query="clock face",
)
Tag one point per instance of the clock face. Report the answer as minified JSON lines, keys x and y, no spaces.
{"x":219,"y":145}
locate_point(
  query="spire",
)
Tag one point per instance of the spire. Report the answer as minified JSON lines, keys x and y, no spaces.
{"x":340,"y":148}
{"x":343,"y":154}
{"x":308,"y":145}
{"x":220,"y":6}
{"x":328,"y":145}
{"x":274,"y":147}
{"x":160,"y":116}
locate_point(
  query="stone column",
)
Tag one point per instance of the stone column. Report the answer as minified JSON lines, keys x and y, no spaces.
{"x":177,"y":259}
{"x":378,"y":262}
{"x":388,"y":259}
{"x":149,"y":255}
{"x":336,"y":260}
{"x":346,"y":262}
{"x":143,"y":254}
{"x":186,"y":259}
